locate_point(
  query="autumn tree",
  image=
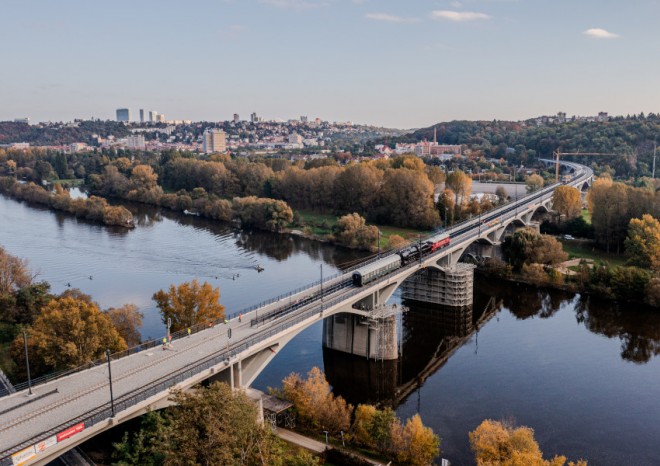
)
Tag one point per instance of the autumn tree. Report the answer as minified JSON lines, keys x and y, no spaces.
{"x":357,"y":187}
{"x":144,"y":177}
{"x":406,"y":199}
{"x":643,"y":242}
{"x":534,"y":182}
{"x":608,"y":204}
{"x":127,"y":320}
{"x":446,"y":206}
{"x":267,"y":214}
{"x":14,"y":273}
{"x":69,"y":332}
{"x":566,"y":201}
{"x":497,"y":444}
{"x":189,"y":303}
{"x":315,"y":404}
{"x":353,"y":231}
{"x":527,"y":246}
{"x":397,"y":241}
{"x":460,"y":184}
{"x":414,"y":443}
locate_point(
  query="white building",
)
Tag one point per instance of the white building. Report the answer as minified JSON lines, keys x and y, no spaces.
{"x":136,"y":141}
{"x":214,"y":140}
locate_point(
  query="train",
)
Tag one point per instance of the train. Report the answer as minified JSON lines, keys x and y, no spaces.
{"x":377,"y":269}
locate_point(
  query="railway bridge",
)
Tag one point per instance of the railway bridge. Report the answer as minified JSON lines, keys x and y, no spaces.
{"x":66,"y":410}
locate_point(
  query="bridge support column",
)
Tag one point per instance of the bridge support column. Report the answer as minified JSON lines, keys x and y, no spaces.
{"x":447,"y":286}
{"x":373,"y":337}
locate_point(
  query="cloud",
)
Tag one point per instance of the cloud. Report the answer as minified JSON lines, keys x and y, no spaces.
{"x":458,"y":16}
{"x":390,"y":18}
{"x":599,"y":33}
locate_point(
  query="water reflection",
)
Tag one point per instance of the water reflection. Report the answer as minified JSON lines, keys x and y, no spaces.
{"x":638,"y":330}
{"x":430,"y":334}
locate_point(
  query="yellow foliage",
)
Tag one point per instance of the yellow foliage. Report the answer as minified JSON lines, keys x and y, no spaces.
{"x":190,"y":303}
{"x":497,"y":444}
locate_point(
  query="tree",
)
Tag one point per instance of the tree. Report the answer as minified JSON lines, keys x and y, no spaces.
{"x":566,"y":202}
{"x":527,"y":246}
{"x":127,"y":320}
{"x":643,"y":242}
{"x":68,"y":333}
{"x":144,"y":177}
{"x":501,"y":194}
{"x":497,"y":444}
{"x":217,"y":426}
{"x":188,"y":304}
{"x":406,"y":199}
{"x":397,"y":241}
{"x":460,"y":184}
{"x":14,"y":273}
{"x":534,"y":182}
{"x":415,"y":443}
{"x":317,"y":407}
{"x":446,"y":206}
{"x":352,"y":231}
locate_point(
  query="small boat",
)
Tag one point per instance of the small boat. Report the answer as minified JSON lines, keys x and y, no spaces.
{"x":258,"y":268}
{"x":190,"y":212}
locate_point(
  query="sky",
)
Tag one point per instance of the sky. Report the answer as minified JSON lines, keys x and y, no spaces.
{"x":395,"y":63}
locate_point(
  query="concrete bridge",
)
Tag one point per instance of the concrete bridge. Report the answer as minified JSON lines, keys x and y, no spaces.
{"x":64,"y":412}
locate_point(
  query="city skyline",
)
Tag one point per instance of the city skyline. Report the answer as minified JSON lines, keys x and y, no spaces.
{"x":385,"y":63}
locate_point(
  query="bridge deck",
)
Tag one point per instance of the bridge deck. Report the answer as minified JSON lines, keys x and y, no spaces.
{"x":81,"y":393}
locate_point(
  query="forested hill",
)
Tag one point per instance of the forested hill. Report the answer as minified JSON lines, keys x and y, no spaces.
{"x":625,"y":135}
{"x":58,"y":133}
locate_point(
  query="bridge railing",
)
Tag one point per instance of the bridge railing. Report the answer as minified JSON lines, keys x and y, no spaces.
{"x":504,"y":208}
{"x":164,"y":383}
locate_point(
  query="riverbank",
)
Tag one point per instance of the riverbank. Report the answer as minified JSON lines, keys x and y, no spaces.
{"x":95,"y":209}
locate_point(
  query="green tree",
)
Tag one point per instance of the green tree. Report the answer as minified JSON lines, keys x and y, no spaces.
{"x":210,"y":426}
{"x":189,"y":303}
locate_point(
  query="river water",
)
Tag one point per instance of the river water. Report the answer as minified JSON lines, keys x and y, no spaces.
{"x":584,"y":374}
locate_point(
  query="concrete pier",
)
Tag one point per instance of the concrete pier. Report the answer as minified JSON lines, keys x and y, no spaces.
{"x":373,"y":336}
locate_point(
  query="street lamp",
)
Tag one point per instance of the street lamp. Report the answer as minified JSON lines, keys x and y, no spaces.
{"x":112,"y":399}
{"x":446,"y":215}
{"x":326,"y":439}
{"x":27,"y":363}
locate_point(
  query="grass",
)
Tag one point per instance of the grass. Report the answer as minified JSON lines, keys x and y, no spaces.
{"x":587,"y":250}
{"x":586,"y":216}
{"x":322,"y":224}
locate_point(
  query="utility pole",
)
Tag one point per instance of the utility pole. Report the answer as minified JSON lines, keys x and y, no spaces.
{"x":27,"y":363}
{"x":321,"y":282}
{"x":379,"y":243}
{"x":112,"y":399}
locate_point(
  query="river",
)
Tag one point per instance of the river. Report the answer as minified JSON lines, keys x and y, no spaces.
{"x":583,"y":373}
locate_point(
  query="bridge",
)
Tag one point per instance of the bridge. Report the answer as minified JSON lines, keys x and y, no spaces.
{"x":65,"y":410}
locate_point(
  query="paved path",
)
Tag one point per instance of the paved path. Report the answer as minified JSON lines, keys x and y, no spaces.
{"x":300,"y":440}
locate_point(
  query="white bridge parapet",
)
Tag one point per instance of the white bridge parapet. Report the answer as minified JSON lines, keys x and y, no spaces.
{"x":66,"y":411}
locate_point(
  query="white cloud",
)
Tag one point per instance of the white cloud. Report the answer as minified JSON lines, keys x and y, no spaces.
{"x":599,"y":33}
{"x":390,"y":18}
{"x":458,"y":16}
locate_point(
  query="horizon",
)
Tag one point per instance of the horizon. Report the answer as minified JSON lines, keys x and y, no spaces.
{"x":391,"y":63}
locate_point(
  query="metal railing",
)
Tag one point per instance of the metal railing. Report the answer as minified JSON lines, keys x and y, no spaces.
{"x":293,"y":317}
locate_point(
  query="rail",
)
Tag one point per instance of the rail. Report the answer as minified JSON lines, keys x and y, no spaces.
{"x":292,"y":317}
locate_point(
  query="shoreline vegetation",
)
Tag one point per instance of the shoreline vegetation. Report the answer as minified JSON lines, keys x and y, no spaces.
{"x":95,"y":209}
